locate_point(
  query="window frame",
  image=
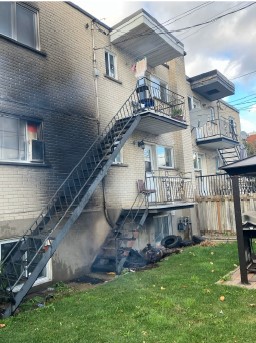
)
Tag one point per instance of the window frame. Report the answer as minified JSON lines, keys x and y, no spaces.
{"x":161,"y":234}
{"x":107,"y":70}
{"x":39,"y":280}
{"x":198,"y":157}
{"x":13,"y":35}
{"x":171,"y":155}
{"x":28,"y":142}
{"x":121,"y":155}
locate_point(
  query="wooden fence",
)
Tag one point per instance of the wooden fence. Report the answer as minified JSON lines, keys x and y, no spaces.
{"x":215,"y":214}
{"x":215,"y":209}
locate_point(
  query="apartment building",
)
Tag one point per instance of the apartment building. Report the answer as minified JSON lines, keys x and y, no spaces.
{"x":70,"y":102}
{"x":96,"y":154}
{"x":215,"y":124}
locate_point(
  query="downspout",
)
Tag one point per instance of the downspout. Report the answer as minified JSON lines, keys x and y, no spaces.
{"x":95,"y":76}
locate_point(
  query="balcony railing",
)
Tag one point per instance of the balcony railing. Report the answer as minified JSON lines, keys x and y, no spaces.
{"x":220,"y":185}
{"x":153,"y":96}
{"x":169,"y":189}
{"x":217,"y":128}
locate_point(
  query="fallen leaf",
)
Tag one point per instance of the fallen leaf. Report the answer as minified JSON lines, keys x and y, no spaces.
{"x":211,"y":262}
{"x":252,"y":305}
{"x":111,"y":273}
{"x":162,"y":288}
{"x":2,"y":326}
{"x":213,"y":270}
{"x":222,"y":298}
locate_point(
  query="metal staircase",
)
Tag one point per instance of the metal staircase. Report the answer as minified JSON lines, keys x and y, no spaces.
{"x":122,"y":237}
{"x":27,"y":258}
{"x":229,"y":155}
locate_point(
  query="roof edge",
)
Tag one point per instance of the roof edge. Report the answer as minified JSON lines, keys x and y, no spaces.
{"x":87,"y":14}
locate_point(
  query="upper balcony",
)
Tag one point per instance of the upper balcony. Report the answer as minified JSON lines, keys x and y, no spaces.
{"x":217,"y":134}
{"x":212,"y":85}
{"x":141,"y":35}
{"x":161,"y":110}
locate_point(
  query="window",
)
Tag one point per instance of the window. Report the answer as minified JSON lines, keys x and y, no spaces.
{"x":212,"y":114}
{"x":159,"y":89}
{"x":110,"y":62}
{"x":162,"y":227}
{"x":46,"y":273}
{"x":19,"y":22}
{"x":119,"y":158}
{"x":196,"y":103}
{"x":21,"y":140}
{"x":190,"y":103}
{"x":197,"y":161}
{"x":164,"y":157}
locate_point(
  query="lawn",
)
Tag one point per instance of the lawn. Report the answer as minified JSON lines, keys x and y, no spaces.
{"x":176,"y":302}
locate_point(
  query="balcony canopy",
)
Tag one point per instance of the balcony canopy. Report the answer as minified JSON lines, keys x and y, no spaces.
{"x":143,"y":36}
{"x":212,"y":85}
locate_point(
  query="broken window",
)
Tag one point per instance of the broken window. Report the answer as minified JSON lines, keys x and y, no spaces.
{"x":21,"y":140}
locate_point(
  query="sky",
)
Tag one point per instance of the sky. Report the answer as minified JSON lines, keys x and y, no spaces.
{"x":227,"y":44}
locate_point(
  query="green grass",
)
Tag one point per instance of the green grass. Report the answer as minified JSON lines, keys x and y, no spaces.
{"x":177,"y":302}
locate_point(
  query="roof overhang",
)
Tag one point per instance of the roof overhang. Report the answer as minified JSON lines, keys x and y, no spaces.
{"x":216,"y":143}
{"x":246,"y":167}
{"x":212,"y":85}
{"x":141,"y":35}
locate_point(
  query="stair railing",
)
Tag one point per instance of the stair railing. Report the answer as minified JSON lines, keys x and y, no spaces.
{"x":83,"y":173}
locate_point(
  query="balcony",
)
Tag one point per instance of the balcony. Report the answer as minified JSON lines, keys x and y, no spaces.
{"x":171,"y":192}
{"x":161,"y":110}
{"x":217,"y":134}
{"x":141,"y":36}
{"x":221,"y":185}
{"x":212,"y":85}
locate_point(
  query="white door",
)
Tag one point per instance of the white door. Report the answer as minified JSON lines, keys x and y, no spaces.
{"x":149,"y":168}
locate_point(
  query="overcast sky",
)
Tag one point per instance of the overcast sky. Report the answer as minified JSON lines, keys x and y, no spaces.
{"x":228,"y":44}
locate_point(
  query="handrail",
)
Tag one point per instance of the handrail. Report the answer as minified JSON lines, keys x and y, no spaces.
{"x":216,"y":128}
{"x":84,"y":171}
{"x":220,"y":185}
{"x":169,"y":189}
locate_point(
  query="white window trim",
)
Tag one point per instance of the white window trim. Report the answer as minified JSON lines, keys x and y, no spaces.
{"x":115,"y":65}
{"x":172,"y":157}
{"x":121,"y":158}
{"x":196,"y":154}
{"x":40,"y":280}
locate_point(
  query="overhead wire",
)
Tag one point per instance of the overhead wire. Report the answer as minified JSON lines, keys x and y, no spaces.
{"x":184,"y":28}
{"x":201,"y":28}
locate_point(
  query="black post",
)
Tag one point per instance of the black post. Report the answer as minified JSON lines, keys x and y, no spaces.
{"x":239,"y":230}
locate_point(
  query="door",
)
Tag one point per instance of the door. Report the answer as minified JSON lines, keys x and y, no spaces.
{"x":149,"y":171}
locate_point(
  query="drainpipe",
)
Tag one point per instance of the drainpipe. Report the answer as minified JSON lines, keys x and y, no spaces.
{"x":95,"y":76}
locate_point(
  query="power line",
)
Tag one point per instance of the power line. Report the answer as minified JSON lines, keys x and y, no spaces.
{"x":181,"y":15}
{"x":201,"y":28}
{"x":247,"y":96}
{"x":238,"y":77}
{"x":184,"y":28}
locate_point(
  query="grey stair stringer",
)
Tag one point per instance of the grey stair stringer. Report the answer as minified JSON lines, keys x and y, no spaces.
{"x":229,"y":155}
{"x":67,"y":226}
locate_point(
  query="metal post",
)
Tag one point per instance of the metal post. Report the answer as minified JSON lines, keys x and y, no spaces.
{"x":239,"y":230}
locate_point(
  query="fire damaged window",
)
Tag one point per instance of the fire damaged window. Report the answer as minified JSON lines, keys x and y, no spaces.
{"x":21,"y":140}
{"x":19,"y":22}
